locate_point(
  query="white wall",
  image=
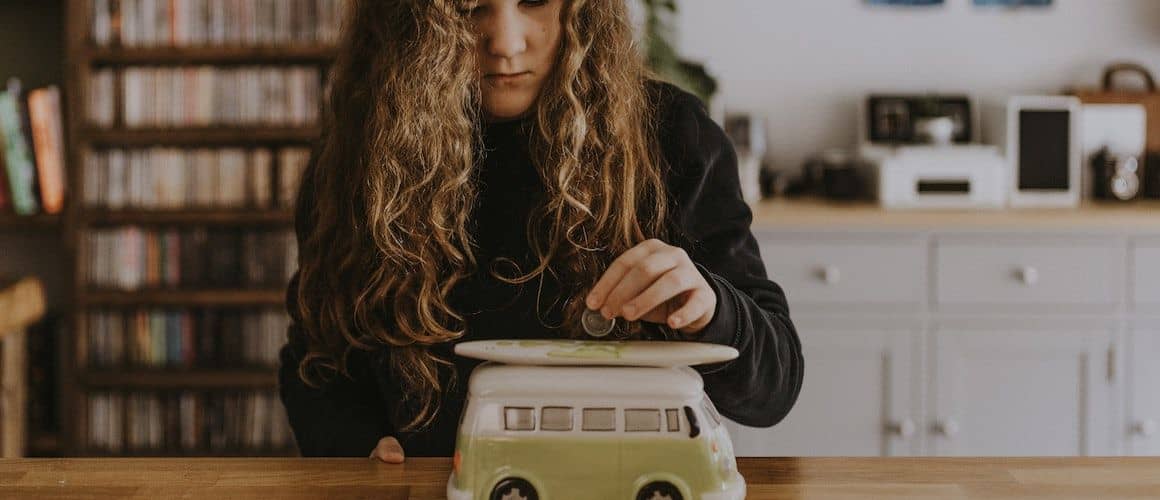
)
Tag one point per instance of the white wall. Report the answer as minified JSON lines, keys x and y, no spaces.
{"x":806,"y":64}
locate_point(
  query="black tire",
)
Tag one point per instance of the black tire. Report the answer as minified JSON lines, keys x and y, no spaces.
{"x":661,"y":488}
{"x":514,"y":485}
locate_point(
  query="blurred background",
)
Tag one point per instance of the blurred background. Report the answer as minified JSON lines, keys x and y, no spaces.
{"x":958,"y":196}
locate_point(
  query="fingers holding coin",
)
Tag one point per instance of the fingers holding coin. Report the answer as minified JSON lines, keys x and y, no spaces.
{"x":595,"y":324}
{"x":657,"y":283}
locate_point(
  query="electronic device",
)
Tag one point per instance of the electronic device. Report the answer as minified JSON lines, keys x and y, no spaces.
{"x":1044,"y":150}
{"x":966,"y":176}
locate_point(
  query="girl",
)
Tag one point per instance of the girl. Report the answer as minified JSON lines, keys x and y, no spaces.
{"x":492,"y":169}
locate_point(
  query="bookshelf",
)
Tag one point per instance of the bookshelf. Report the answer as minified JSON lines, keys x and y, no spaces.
{"x":158,"y":191}
{"x":39,"y":222}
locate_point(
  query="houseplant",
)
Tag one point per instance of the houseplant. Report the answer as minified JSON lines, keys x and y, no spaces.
{"x":662,"y":57}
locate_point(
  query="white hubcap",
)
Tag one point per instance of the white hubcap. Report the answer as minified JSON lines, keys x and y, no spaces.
{"x":657,"y":496}
{"x":514,"y":494}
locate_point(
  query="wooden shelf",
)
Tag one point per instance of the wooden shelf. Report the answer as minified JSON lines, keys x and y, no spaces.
{"x":815,"y":214}
{"x":196,"y":136}
{"x":212,"y":55}
{"x":159,"y":378}
{"x":39,"y":222}
{"x":44,"y":445}
{"x":224,"y":297}
{"x":236,"y":217}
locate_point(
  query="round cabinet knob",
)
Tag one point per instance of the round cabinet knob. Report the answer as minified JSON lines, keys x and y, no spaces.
{"x":947,"y":427}
{"x":1028,"y":275}
{"x":1145,"y":428}
{"x":903,"y":428}
{"x":830,"y":275}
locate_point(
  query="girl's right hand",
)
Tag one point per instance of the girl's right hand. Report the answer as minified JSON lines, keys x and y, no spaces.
{"x":388,"y":450}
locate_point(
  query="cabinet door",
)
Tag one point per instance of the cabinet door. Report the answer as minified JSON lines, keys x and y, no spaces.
{"x":858,"y":396}
{"x":1014,"y":387}
{"x":1143,"y":417}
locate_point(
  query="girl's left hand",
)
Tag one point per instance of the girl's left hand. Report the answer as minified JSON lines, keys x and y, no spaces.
{"x":658,"y":283}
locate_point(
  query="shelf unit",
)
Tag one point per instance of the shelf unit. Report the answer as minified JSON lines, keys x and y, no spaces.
{"x":83,"y":57}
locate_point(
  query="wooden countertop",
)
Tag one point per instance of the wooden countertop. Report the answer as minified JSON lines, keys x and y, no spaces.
{"x":809,"y":214}
{"x":767,"y":478}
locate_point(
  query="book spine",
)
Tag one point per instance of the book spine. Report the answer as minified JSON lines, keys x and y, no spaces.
{"x":44,"y":116}
{"x":18,"y":159}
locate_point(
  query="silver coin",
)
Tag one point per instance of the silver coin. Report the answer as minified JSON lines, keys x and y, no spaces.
{"x":595,"y":324}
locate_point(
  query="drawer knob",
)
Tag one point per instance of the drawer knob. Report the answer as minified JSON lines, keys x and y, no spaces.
{"x":830,"y":275}
{"x":1028,"y":275}
{"x":947,"y":428}
{"x":903,"y":428}
{"x":1145,"y":428}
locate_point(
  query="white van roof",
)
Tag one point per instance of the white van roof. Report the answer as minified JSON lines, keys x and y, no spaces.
{"x":493,"y":380}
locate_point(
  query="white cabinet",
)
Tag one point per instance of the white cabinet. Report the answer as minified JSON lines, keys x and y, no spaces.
{"x":1015,"y":388}
{"x":1146,"y":276}
{"x":1143,"y":410}
{"x":859,"y":396}
{"x":962,"y":341}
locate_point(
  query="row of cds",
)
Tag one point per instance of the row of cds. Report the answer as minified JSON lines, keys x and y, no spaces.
{"x":175,"y":422}
{"x":187,"y":338}
{"x":174,"y":178}
{"x":202,"y":96}
{"x":134,"y":258}
{"x":184,"y":23}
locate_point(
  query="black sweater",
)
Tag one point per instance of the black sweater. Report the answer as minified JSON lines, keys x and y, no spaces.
{"x":347,"y":417}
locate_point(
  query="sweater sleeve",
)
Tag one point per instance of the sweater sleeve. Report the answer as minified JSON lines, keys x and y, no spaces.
{"x":344,"y":417}
{"x":761,"y":385}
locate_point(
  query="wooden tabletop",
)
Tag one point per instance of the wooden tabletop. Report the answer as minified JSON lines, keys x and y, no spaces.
{"x":772,"y":478}
{"x":815,"y":214}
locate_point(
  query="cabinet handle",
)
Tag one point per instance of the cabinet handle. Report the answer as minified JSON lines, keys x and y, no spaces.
{"x":947,"y":428}
{"x":1145,"y":428}
{"x":1028,"y":275}
{"x":830,"y":275}
{"x":904,"y":428}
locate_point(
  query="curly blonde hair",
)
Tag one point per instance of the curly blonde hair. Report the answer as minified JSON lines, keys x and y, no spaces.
{"x":386,"y":235}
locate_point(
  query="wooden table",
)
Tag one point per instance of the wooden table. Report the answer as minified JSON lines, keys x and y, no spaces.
{"x":291,"y":478}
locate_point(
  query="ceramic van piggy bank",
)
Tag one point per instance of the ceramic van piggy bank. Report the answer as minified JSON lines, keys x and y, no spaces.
{"x":561,"y":419}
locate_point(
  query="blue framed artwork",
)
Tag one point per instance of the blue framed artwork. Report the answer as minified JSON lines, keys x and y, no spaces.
{"x":1013,"y":3}
{"x":905,"y":2}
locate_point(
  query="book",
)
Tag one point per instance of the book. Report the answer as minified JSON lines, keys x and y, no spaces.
{"x":18,"y":159}
{"x":48,"y":142}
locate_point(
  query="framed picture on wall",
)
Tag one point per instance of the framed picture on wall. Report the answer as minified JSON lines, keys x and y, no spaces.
{"x":905,"y":2}
{"x":1013,"y":3}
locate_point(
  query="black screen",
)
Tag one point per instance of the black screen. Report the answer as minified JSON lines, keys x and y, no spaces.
{"x":1044,"y":143}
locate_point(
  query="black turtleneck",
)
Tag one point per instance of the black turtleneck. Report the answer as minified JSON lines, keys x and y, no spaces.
{"x":348,"y":416}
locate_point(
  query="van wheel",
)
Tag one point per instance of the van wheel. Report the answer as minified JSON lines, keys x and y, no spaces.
{"x":659,"y":490}
{"x":514,"y":488}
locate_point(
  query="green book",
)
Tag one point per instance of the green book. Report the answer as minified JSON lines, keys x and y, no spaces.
{"x":21,"y":170}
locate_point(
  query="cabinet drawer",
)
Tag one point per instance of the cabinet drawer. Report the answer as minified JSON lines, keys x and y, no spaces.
{"x":850,"y":273}
{"x":1146,"y":264}
{"x":1017,"y":273}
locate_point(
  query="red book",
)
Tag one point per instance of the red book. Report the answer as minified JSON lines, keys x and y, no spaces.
{"x":48,"y":145}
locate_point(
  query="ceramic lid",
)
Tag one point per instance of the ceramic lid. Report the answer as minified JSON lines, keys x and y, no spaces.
{"x":596,"y":352}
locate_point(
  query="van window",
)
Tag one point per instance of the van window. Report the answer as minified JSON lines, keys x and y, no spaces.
{"x":556,"y":418}
{"x":519,"y":419}
{"x":708,"y":409}
{"x":599,"y":419}
{"x":636,"y":420}
{"x":673,"y":418}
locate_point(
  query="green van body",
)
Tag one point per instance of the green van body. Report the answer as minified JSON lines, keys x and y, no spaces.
{"x":584,"y":464}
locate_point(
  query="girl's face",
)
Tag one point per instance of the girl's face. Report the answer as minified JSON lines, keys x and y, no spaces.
{"x":518,"y":45}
